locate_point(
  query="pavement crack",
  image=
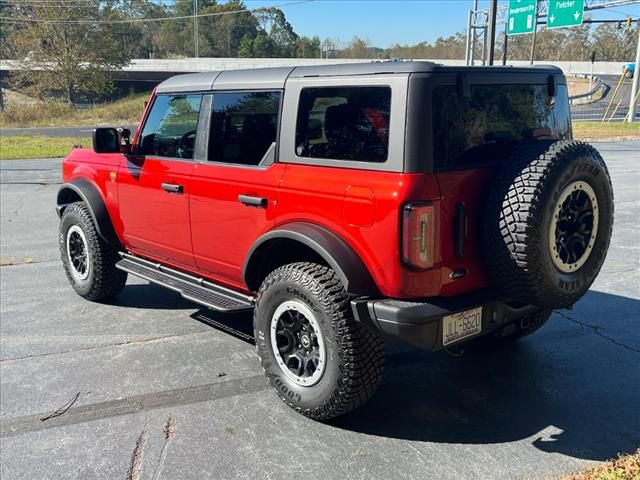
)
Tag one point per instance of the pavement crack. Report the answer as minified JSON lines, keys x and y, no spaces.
{"x":136,"y":341}
{"x":135,"y":469}
{"x":169,"y":432}
{"x":597,"y":331}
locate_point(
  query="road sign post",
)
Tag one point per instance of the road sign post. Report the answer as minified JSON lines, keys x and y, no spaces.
{"x":522,"y":16}
{"x":565,"y":13}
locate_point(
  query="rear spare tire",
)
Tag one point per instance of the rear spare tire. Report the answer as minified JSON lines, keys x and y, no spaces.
{"x":548,"y":223}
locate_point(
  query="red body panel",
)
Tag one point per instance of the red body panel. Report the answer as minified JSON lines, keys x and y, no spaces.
{"x":156,"y":222}
{"x":207,"y":231}
{"x":224,"y":229}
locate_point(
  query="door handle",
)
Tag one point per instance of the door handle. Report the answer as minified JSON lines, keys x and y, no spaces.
{"x":172,"y":188}
{"x":250,"y":201}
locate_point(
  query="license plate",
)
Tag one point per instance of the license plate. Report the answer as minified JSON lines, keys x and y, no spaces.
{"x":461,"y":325}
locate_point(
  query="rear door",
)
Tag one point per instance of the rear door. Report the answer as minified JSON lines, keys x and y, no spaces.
{"x":154,"y":184}
{"x":234,"y":192}
{"x":472,"y":134}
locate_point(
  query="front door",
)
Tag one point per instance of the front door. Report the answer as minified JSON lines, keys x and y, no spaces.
{"x":234,"y":193}
{"x":154,"y":184}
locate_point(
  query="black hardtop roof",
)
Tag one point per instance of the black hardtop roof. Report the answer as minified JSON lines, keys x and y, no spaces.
{"x":275,"y":77}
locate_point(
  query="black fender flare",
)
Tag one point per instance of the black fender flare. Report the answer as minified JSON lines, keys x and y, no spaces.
{"x":91,"y":196}
{"x":334,"y":250}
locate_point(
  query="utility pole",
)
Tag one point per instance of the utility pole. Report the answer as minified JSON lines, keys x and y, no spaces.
{"x":504,"y":50}
{"x":196,"y":35}
{"x":533,"y":39}
{"x":491,"y":30}
{"x":634,"y":85}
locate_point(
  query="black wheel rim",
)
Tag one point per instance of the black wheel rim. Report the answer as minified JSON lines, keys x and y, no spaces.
{"x":77,"y":252}
{"x":297,"y":343}
{"x":574,"y":226}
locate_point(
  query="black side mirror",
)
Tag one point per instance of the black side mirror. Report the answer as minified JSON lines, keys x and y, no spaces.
{"x":106,"y":140}
{"x":112,"y":140}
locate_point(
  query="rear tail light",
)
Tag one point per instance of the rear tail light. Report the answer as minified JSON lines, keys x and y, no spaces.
{"x":418,"y":233}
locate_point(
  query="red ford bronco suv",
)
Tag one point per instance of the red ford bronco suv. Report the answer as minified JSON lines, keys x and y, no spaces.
{"x":344,"y":205}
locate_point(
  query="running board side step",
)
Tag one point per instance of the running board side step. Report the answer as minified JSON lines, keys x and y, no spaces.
{"x":192,"y":288}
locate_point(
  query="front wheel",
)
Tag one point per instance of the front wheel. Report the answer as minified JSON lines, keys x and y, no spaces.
{"x":88,"y":260}
{"x":320,"y":361}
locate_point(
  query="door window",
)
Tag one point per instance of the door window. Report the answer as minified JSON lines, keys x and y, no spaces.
{"x":170,"y":129}
{"x":244,"y":126}
{"x":344,"y":123}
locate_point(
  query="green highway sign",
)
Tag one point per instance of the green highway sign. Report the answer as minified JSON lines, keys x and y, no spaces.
{"x":522,"y":16}
{"x":565,"y":13}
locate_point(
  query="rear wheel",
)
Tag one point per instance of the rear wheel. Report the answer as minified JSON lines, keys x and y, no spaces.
{"x":320,"y":361}
{"x":89,"y":262}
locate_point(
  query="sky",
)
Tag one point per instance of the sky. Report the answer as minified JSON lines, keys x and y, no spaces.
{"x":385,"y":22}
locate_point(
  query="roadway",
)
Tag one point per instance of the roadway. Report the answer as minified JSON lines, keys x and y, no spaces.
{"x":595,"y":111}
{"x":155,"y":391}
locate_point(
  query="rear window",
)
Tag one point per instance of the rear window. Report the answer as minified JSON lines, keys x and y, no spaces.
{"x":344,"y":123}
{"x":482,"y":128}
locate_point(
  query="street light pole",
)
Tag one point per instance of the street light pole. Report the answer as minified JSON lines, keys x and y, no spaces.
{"x":491,"y":30}
{"x":533,"y":39}
{"x":634,"y":85}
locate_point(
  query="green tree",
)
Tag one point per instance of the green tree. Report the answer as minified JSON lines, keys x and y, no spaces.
{"x":613,"y":44}
{"x":262,"y":46}
{"x":67,"y":58}
{"x":307,"y":47}
{"x":273,"y":23}
{"x":222,"y":34}
{"x":357,"y":48}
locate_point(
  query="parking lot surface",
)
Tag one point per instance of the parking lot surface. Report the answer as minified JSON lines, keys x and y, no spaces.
{"x":152,"y":387}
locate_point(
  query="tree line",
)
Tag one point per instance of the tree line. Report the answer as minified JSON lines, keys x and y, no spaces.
{"x":74,"y":43}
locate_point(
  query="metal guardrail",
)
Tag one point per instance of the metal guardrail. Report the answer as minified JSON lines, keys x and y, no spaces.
{"x":589,"y":95}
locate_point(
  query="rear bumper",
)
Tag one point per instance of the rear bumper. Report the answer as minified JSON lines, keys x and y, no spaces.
{"x":420,"y":323}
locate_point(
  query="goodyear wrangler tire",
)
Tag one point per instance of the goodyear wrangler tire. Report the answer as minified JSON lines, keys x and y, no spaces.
{"x":548,"y":223}
{"x":319,"y":360}
{"x":89,"y":262}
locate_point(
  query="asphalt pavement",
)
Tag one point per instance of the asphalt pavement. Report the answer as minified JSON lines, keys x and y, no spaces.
{"x":151,"y":387}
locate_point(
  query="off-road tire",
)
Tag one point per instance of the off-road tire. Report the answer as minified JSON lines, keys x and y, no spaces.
{"x":518,"y":222}
{"x":355,"y":356}
{"x":512,"y":332}
{"x":104,"y":280}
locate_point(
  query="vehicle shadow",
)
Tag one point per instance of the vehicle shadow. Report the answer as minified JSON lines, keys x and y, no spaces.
{"x":151,"y":296}
{"x":572,"y":388}
{"x":566,"y":389}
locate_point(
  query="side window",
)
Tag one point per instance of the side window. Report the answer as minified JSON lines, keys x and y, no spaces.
{"x":344,"y":123}
{"x":170,"y":130}
{"x":243,"y":127}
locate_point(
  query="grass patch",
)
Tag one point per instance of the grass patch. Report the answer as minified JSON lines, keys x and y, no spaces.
{"x":126,"y":111}
{"x":30,"y":146}
{"x":625,"y":467}
{"x":606,"y":131}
